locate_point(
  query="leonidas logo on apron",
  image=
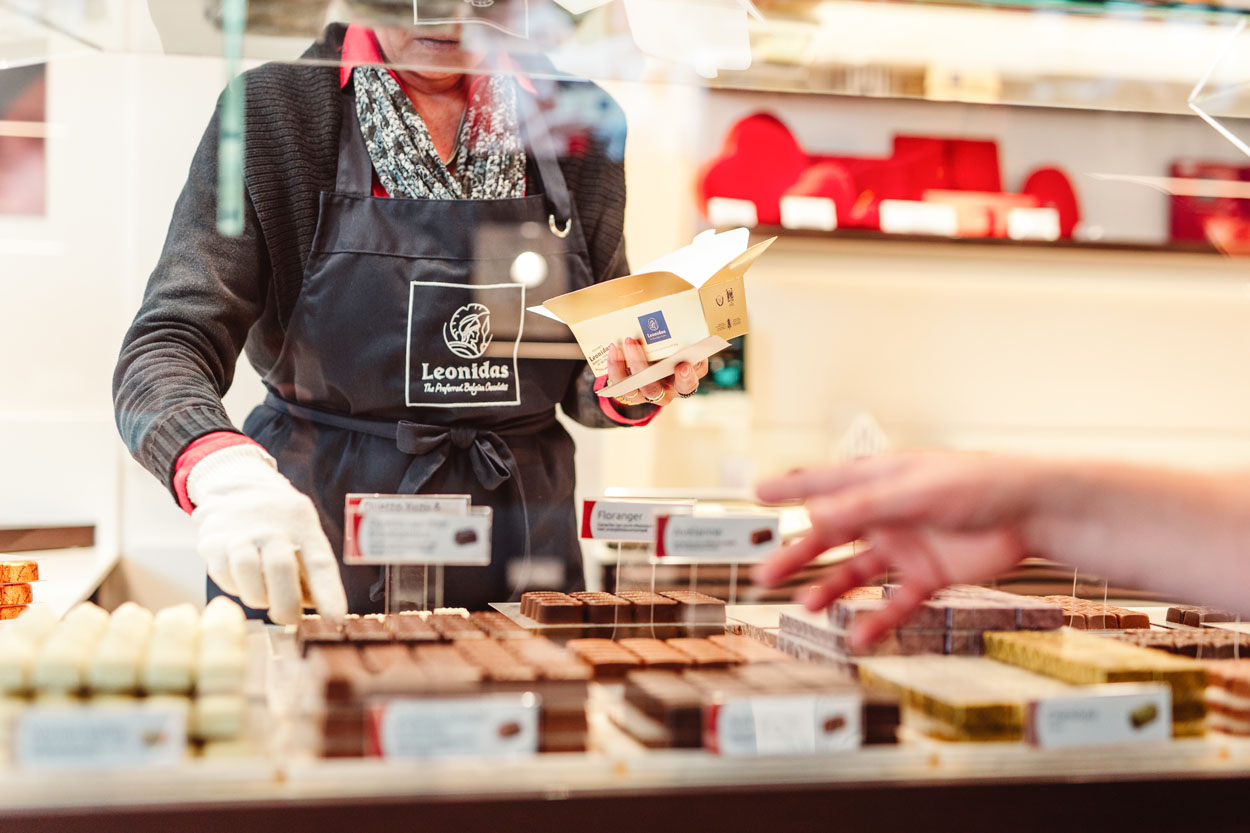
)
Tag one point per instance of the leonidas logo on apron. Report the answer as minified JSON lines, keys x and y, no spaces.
{"x":468,"y":332}
{"x":449,"y":339}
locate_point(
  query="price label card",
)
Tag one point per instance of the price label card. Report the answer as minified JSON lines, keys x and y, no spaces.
{"x":59,"y":738}
{"x":627,"y":520}
{"x":804,"y":724}
{"x":725,"y":212}
{"x":387,"y":536}
{"x":820,"y":213}
{"x":717,"y":539}
{"x":499,"y":726}
{"x":1110,"y":715}
{"x":357,"y":506}
{"x":915,"y":217}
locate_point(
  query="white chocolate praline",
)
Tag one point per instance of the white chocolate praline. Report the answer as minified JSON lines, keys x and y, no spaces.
{"x":56,"y":700}
{"x":130,"y":621}
{"x":217,"y":717}
{"x":220,"y":670}
{"x":10,"y":709}
{"x":181,"y":621}
{"x":87,"y":619}
{"x":167,"y":669}
{"x":222,"y":611}
{"x":61,"y":667}
{"x":36,"y":624}
{"x":116,"y":665}
{"x":17,"y":662}
{"x":169,"y":664}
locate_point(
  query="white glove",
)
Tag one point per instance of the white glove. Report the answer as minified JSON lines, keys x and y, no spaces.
{"x":261,"y":538}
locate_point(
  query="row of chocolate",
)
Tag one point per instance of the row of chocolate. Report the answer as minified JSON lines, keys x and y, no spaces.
{"x":667,"y":708}
{"x":623,"y":607}
{"x":1196,"y":615}
{"x":177,"y":655}
{"x":611,"y":658}
{"x":1084,"y":614}
{"x":410,"y":628}
{"x":358,"y":675}
{"x":1207,"y":643}
{"x":970,"y":608}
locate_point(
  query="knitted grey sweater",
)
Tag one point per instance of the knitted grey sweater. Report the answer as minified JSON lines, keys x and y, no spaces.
{"x":212,"y":297}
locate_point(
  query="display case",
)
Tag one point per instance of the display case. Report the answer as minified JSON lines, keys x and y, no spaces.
{"x":384,"y":239}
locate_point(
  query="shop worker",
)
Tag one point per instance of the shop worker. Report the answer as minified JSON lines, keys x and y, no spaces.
{"x":383,"y":210}
{"x":935,"y":519}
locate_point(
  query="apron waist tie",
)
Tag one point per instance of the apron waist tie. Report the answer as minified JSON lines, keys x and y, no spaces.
{"x":431,"y":445}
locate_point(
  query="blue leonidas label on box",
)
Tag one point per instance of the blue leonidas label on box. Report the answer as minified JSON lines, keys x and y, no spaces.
{"x":654,"y":327}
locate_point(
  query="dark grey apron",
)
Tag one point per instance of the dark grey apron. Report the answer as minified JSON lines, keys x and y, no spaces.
{"x":398,"y":371}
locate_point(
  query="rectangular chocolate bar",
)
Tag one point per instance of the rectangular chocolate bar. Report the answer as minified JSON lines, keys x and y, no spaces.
{"x":607,"y":658}
{"x":366,"y":629}
{"x":604,"y":608}
{"x":749,"y":650}
{"x":529,"y":599}
{"x":654,"y":653}
{"x":377,"y":657}
{"x":410,"y":628}
{"x":464,"y":537}
{"x":314,"y":630}
{"x":555,"y":611}
{"x":454,"y":626}
{"x":705,"y":654}
{"x":651,"y":607}
{"x":697,"y":608}
{"x":761,"y":536}
{"x":498,"y":626}
{"x":495,"y":662}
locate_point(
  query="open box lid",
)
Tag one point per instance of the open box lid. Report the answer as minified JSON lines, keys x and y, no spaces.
{"x":712,"y":258}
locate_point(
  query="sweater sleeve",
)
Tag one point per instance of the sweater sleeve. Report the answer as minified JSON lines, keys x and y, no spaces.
{"x":178,"y":358}
{"x":596,"y":176}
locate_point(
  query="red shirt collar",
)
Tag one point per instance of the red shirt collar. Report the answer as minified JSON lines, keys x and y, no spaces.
{"x":360,"y":47}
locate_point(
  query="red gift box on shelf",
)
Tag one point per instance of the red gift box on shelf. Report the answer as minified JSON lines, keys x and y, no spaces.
{"x":928,"y":185}
{"x":1214,"y":218}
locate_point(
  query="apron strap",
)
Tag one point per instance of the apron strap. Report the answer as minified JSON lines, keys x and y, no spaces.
{"x":355,"y":174}
{"x":538,"y":140}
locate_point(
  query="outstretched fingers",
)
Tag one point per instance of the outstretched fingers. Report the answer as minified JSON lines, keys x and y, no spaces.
{"x":857,"y":571}
{"x":906,"y":600}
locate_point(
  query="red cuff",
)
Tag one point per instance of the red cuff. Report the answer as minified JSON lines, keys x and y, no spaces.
{"x":609,"y":407}
{"x":196,"y":452}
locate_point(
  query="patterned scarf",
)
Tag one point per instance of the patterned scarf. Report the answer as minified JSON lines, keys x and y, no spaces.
{"x":489,"y":162}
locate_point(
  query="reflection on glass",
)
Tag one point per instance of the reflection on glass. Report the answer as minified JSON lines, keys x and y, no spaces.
{"x":23,"y":146}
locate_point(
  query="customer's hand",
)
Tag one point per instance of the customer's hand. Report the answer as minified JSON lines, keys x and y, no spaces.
{"x":625,"y":363}
{"x":260,"y":538}
{"x":930,"y":520}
